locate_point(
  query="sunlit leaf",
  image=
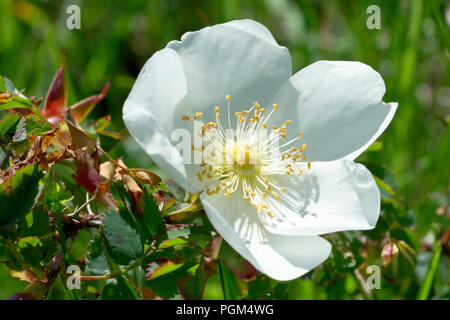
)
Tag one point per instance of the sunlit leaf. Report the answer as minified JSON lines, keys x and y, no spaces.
{"x":160,"y":270}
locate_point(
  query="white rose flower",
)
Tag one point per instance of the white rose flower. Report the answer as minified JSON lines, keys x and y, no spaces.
{"x":270,"y":207}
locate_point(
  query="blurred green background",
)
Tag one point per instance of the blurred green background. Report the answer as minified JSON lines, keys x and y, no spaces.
{"x":411,"y":52}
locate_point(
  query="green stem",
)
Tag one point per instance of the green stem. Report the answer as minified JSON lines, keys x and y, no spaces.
{"x":424,"y":291}
{"x":120,"y":272}
{"x":230,"y":289}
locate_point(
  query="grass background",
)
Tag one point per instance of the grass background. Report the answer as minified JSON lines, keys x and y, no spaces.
{"x":411,"y":51}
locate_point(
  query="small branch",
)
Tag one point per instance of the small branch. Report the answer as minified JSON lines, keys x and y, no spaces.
{"x":77,"y":210}
{"x":111,"y":275}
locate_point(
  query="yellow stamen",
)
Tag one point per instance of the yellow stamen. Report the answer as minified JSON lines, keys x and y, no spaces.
{"x":198,"y":114}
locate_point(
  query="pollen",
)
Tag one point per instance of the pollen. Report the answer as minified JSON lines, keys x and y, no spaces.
{"x":198,"y":114}
{"x":244,"y":166}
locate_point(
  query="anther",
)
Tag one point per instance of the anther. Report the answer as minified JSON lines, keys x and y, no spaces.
{"x":198,"y":114}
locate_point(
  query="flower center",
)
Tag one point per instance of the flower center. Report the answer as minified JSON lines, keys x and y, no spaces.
{"x":248,"y":159}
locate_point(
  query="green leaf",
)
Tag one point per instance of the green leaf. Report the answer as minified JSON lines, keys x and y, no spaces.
{"x":376,"y":146}
{"x":18,"y":193}
{"x":425,"y":289}
{"x":8,"y":124}
{"x":2,"y":84}
{"x":230,"y":289}
{"x":119,"y":289}
{"x":399,"y":260}
{"x":280,"y":291}
{"x":3,"y":156}
{"x":122,"y":238}
{"x":40,"y":223}
{"x":178,"y":192}
{"x":260,"y":289}
{"x":16,"y":102}
{"x":179,"y":232}
{"x":163,"y":269}
{"x":37,"y":126}
{"x":29,"y":242}
{"x":385,"y":180}
{"x":80,"y":245}
{"x":20,"y":147}
{"x":59,"y":291}
{"x":240,"y":267}
{"x":31,"y":250}
{"x":152,"y":216}
{"x":141,"y":226}
{"x":166,"y":286}
{"x":172,"y":243}
{"x":102,"y":123}
{"x":192,"y":286}
{"x":108,"y":140}
{"x":96,"y":261}
{"x":386,"y":190}
{"x":9,"y":85}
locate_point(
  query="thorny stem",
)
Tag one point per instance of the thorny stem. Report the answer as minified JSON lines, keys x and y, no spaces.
{"x":77,"y":210}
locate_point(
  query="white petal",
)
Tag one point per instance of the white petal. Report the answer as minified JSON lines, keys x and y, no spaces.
{"x":278,"y":256}
{"x":239,"y":58}
{"x":332,"y":196}
{"x":337,"y":105}
{"x":150,"y":108}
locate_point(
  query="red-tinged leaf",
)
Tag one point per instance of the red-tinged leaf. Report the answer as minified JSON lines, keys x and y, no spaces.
{"x":240,"y":267}
{"x":111,"y":134}
{"x":191,"y":287}
{"x":24,"y":275}
{"x":155,"y":271}
{"x":88,"y":177}
{"x":81,"y":109}
{"x":102,"y":123}
{"x":56,"y":99}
